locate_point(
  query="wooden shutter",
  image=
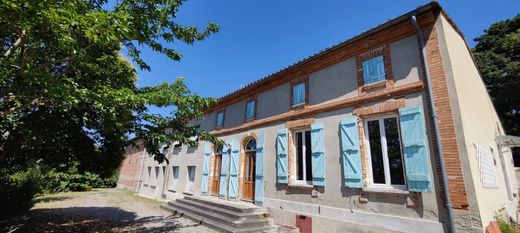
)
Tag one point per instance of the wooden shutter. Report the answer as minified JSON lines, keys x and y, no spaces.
{"x":281,"y":156}
{"x":318,"y":155}
{"x":352,"y":172}
{"x":415,"y":149}
{"x":205,"y":169}
{"x":224,"y":172}
{"x":374,"y":70}
{"x":259,"y":171}
{"x":233,"y":171}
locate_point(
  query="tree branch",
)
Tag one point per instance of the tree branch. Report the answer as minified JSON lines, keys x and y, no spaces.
{"x":15,"y":45}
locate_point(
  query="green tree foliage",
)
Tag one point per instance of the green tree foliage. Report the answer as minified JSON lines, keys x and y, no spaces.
{"x":498,"y":56}
{"x":68,"y":95}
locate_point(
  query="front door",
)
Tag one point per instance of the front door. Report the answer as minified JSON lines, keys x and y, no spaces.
{"x":249,"y":177}
{"x":215,"y":186}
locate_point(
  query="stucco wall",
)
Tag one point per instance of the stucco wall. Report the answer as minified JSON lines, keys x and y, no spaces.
{"x":335,"y":82}
{"x":479,"y":125}
{"x":274,"y":101}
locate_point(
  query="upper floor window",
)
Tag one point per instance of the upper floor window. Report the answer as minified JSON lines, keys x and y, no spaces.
{"x":373,"y":70}
{"x":220,"y":119}
{"x":384,"y":152}
{"x":298,"y":94}
{"x":303,"y":154}
{"x":250,"y":110}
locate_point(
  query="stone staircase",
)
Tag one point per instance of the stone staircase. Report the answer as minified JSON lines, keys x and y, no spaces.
{"x":224,"y":216}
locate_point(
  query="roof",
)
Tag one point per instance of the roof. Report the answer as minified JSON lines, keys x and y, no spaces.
{"x":277,"y":74}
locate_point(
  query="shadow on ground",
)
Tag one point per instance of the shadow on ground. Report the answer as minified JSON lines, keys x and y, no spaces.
{"x":89,"y":219}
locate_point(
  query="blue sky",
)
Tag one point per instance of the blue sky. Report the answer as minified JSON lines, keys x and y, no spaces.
{"x":259,"y":37}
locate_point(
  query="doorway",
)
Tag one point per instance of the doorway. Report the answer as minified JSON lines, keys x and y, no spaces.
{"x":248,"y":186}
{"x":215,"y":186}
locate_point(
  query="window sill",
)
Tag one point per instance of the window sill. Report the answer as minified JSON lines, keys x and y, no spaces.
{"x":371,"y":86}
{"x":386,"y":190}
{"x":298,"y":106}
{"x":188,"y":193}
{"x":301,"y":185}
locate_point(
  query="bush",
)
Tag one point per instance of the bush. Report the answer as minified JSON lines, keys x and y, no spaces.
{"x":18,"y":190}
{"x":505,"y":227}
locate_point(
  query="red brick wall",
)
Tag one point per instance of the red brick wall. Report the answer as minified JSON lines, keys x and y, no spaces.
{"x":440,"y":95}
{"x":129,"y":171}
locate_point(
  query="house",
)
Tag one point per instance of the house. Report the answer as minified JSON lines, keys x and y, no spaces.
{"x":391,"y":130}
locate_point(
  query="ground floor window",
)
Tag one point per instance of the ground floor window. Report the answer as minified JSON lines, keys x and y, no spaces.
{"x":156,"y":175}
{"x":191,"y":179}
{"x":384,"y":151}
{"x":175,"y":177}
{"x":303,"y":154}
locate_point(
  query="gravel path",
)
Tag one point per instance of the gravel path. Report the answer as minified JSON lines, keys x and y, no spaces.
{"x":102,"y":210}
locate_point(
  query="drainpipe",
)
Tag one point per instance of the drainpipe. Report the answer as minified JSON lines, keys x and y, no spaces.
{"x":436,"y":127}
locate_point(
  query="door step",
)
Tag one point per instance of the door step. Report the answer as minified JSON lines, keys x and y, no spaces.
{"x":222,"y":215}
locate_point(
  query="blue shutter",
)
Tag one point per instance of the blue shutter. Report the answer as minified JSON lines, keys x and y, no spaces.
{"x":318,"y":158}
{"x":298,"y":94}
{"x":233,"y":171}
{"x":205,"y":169}
{"x":415,"y":149}
{"x":259,"y":171}
{"x":250,"y":109}
{"x":352,"y":172}
{"x":374,"y":70}
{"x":223,"y":172}
{"x":281,"y":156}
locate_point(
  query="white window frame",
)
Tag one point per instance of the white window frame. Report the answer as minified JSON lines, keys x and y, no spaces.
{"x":386,"y":165}
{"x":295,"y":156}
{"x":187,"y":188}
{"x":175,"y":178}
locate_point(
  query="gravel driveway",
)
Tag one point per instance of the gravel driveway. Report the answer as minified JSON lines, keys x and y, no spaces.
{"x":101,"y":210}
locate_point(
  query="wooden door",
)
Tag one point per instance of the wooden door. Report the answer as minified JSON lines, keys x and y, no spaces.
{"x":249,"y":177}
{"x":215,"y":186}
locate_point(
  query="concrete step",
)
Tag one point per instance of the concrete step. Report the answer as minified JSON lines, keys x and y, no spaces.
{"x":225,"y":212}
{"x":208,"y":214}
{"x":235,"y":207}
{"x":218,"y":224}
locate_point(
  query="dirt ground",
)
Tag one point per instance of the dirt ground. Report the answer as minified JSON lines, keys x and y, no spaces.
{"x":101,"y":210}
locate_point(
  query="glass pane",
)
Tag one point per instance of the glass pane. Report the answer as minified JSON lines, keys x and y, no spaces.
{"x":250,"y":110}
{"x":376,"y":153}
{"x":393,"y":145}
{"x":248,"y":166}
{"x":299,"y":94}
{"x":251,"y":145}
{"x":220,"y":119}
{"x":308,"y":156}
{"x":299,"y":155}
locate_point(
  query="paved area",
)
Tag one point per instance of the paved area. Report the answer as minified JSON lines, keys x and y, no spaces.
{"x":102,"y":210}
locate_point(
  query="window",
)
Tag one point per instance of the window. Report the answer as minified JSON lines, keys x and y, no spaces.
{"x":298,"y":94}
{"x":175,"y":177}
{"x":149,"y":174}
{"x":373,"y":70}
{"x":191,"y":179}
{"x":156,"y":175}
{"x":250,"y":110}
{"x":220,"y":119}
{"x":303,"y":153}
{"x":384,"y":152}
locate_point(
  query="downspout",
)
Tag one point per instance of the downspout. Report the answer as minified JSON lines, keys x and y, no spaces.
{"x":436,"y":127}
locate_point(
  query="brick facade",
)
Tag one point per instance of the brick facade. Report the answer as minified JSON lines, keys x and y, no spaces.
{"x":130,"y":167}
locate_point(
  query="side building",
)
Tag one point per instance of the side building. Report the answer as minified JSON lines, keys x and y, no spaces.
{"x":367,"y":132}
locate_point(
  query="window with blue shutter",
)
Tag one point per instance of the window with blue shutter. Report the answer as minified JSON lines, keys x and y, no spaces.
{"x":318,"y":158}
{"x":233,"y":171}
{"x":351,"y":158}
{"x":250,"y":110}
{"x":224,"y":172}
{"x":298,"y":94}
{"x":205,"y":169}
{"x":259,"y":171}
{"x":415,"y":148}
{"x":281,"y":156}
{"x":373,"y":70}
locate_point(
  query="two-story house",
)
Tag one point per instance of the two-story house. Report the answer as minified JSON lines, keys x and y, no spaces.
{"x":391,"y":130}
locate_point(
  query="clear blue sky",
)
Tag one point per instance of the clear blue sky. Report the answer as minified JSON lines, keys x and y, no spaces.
{"x":259,"y":37}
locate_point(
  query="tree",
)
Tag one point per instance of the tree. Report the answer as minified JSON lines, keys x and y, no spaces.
{"x":497,"y":54}
{"x":66,"y":93}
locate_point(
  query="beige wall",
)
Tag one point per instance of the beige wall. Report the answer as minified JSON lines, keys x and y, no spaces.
{"x":479,"y":125}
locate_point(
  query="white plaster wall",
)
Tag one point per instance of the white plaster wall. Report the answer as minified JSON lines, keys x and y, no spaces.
{"x":480,"y":125}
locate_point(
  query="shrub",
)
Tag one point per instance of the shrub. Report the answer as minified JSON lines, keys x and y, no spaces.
{"x":18,"y":190}
{"x":66,"y":181}
{"x":505,"y":227}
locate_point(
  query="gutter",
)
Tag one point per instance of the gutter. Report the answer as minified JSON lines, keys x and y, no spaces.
{"x":444,"y":177}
